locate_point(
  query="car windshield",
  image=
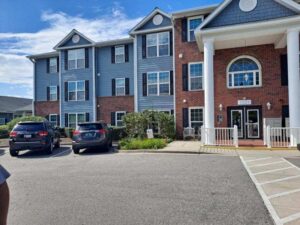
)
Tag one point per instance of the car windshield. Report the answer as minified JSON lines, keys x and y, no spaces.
{"x":29,"y":127}
{"x":84,"y":127}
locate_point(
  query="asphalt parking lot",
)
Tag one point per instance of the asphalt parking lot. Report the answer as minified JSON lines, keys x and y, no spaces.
{"x":131,"y":188}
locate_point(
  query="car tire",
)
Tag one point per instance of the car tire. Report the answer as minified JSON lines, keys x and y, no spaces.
{"x":13,"y":153}
{"x":49,"y":149}
{"x":57,"y":145}
{"x":76,"y":150}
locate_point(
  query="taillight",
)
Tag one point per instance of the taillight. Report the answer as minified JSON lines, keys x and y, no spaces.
{"x":76,"y":132}
{"x":102,"y":131}
{"x":13,"y":134}
{"x":43,"y":133}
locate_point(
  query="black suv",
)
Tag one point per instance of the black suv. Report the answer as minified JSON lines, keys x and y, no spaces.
{"x":89,"y":135}
{"x":33,"y":136}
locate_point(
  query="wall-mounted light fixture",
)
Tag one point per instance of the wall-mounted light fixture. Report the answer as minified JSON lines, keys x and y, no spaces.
{"x":180,"y":56}
{"x":221,"y":107}
{"x":184,"y":101}
{"x":269,"y":105}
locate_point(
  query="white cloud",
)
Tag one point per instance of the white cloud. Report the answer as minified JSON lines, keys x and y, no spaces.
{"x":16,"y":68}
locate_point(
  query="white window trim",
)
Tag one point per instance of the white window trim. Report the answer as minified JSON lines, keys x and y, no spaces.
{"x":116,"y":117}
{"x":158,"y":83}
{"x":254,"y":71}
{"x":53,"y":121}
{"x":119,"y":46}
{"x":76,"y":114}
{"x":76,"y":59}
{"x":189,"y":72}
{"x":157,"y":45}
{"x":190,"y":117}
{"x":53,"y":100}
{"x":188,"y":26}
{"x":56,"y":66}
{"x":76,"y":91}
{"x":124,"y":86}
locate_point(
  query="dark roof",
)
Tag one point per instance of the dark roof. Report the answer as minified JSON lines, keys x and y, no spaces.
{"x":14,"y":104}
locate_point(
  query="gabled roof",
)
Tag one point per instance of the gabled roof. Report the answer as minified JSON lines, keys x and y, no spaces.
{"x":147,"y":18}
{"x":287,"y":3}
{"x":14,"y":104}
{"x":43,"y":55}
{"x":74,"y":31}
{"x":194,"y":11}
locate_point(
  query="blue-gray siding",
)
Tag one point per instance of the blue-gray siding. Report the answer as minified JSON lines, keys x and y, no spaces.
{"x":43,"y":80}
{"x":265,"y":10}
{"x":164,"y":63}
{"x":150,"y":25}
{"x":106,"y":71}
{"x":69,"y":42}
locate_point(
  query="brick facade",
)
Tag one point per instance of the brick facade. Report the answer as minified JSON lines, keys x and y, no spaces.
{"x":45,"y":108}
{"x":107,"y":105}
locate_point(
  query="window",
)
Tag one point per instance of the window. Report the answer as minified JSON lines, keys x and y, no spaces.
{"x":120,"y":54}
{"x":119,"y":118}
{"x":53,"y":119}
{"x":75,"y":119}
{"x":2,"y":121}
{"x":76,"y":90}
{"x":53,"y":65}
{"x":158,"y":44}
{"x":193,"y":23}
{"x":196,"y":118}
{"x":158,"y":83}
{"x":76,"y":59}
{"x":244,"y":71}
{"x":195,"y":76}
{"x":120,"y":86}
{"x":53,"y":93}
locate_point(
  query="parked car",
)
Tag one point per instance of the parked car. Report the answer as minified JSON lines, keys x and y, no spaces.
{"x":33,"y":136}
{"x":90,"y":135}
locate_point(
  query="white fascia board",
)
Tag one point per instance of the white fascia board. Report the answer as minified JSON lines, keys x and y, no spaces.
{"x":194,"y":11}
{"x":153,"y":30}
{"x":75,"y":47}
{"x":289,"y":4}
{"x":114,"y":42}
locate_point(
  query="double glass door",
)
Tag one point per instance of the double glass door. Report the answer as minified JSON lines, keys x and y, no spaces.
{"x":248,"y":121}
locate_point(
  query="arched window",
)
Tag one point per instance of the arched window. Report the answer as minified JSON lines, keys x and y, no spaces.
{"x":244,"y":71}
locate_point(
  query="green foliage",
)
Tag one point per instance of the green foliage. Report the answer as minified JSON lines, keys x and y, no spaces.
{"x":137,"y":124}
{"x":12,"y":123}
{"x":132,"y":144}
{"x":118,"y":133}
{"x":69,"y":132}
{"x":4,"y":133}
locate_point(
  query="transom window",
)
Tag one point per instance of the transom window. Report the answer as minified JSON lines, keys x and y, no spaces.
{"x":158,"y":83}
{"x":193,"y":23}
{"x":76,"y":59}
{"x":76,"y":90}
{"x":53,"y":65}
{"x":158,"y":44}
{"x":53,"y":93}
{"x":244,"y":71}
{"x":120,"y":54}
{"x":196,"y":118}
{"x":119,"y":118}
{"x":195,"y":76}
{"x":120,"y":86}
{"x":53,"y":119}
{"x":75,"y":119}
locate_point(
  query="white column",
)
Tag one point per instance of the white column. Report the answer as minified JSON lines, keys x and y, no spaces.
{"x":294,"y":80}
{"x":209,"y":112}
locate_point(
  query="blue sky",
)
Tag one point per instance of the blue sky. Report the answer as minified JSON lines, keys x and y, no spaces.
{"x":35,"y":26}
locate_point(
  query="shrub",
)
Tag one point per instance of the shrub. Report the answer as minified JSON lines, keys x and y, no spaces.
{"x":69,"y":132}
{"x":12,"y":123}
{"x":132,"y":144}
{"x":4,"y":133}
{"x":118,"y":133}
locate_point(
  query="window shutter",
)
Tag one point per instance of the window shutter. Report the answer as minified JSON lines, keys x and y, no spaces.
{"x":48,"y":93}
{"x":171,"y":83}
{"x":127,"y":91}
{"x":113,"y":87}
{"x":185,"y":117}
{"x":57,"y":92}
{"x":144,"y":47}
{"x":66,"y":92}
{"x":144,"y":84}
{"x":284,"y":70}
{"x":87,"y":90}
{"x":184,"y":30}
{"x":87,"y":117}
{"x":171,"y":43}
{"x":113,"y":119}
{"x":58,"y":120}
{"x":87,"y":61}
{"x":66,"y":120}
{"x":185,"y":77}
{"x":126,"y":53}
{"x":66,"y":60}
{"x":48,"y":65}
{"x":57,"y":64}
{"x":113,"y":55}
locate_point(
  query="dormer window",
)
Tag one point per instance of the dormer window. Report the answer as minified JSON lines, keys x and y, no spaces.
{"x":193,"y":23}
{"x":120,"y":54}
{"x":76,"y":59}
{"x":158,"y":44}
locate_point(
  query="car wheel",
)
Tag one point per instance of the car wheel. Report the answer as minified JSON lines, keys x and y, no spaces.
{"x":76,"y":151}
{"x":57,"y":145}
{"x":13,"y":153}
{"x":49,"y":149}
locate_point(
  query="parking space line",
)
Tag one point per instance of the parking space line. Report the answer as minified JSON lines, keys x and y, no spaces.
{"x":278,"y":180}
{"x":260,"y":159}
{"x":291,"y":164}
{"x":290,"y":218}
{"x":284,"y":193}
{"x":272,"y":171}
{"x":266,"y":164}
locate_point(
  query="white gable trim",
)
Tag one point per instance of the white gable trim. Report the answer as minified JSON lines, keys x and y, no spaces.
{"x":74,"y":31}
{"x":147,"y":18}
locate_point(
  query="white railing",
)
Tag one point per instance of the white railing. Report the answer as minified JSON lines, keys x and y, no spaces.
{"x":220,"y":136}
{"x":282,"y":137}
